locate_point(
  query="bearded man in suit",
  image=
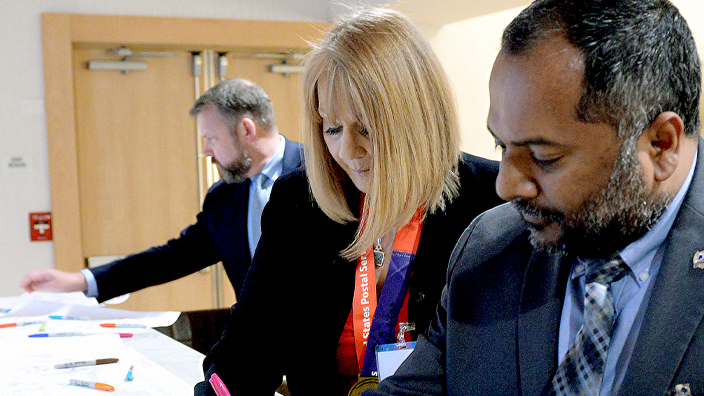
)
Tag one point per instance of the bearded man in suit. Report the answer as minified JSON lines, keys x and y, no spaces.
{"x":236,"y":120}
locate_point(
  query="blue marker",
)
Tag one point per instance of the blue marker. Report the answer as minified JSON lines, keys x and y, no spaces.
{"x":74,"y":334}
{"x":61,"y":317}
{"x":42,"y":335}
{"x":130,"y":375}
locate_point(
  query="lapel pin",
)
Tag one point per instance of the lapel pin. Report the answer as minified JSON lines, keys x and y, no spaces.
{"x":683,"y":389}
{"x":698,"y":260}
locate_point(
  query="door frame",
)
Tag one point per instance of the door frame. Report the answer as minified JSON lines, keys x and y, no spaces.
{"x":61,"y":32}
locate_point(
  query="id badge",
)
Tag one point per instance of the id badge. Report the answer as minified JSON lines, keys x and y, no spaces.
{"x":390,"y":356}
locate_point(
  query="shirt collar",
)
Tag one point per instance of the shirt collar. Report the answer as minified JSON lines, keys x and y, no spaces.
{"x":274,"y":167}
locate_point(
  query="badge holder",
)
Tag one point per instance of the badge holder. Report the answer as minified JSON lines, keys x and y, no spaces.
{"x":390,"y":356}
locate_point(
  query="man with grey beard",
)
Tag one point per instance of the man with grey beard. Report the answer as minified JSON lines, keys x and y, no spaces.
{"x":236,"y":120}
{"x":591,"y":280}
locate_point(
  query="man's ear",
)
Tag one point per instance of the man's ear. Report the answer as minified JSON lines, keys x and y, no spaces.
{"x":247,"y":130}
{"x":661,"y":142}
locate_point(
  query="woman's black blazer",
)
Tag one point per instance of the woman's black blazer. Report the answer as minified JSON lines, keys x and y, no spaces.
{"x":298,"y":293}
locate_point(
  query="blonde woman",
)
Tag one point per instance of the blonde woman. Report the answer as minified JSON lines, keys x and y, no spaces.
{"x":355,"y":247}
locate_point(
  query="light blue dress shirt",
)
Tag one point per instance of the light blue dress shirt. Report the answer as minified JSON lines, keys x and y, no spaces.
{"x":631,"y":295}
{"x":272,"y":170}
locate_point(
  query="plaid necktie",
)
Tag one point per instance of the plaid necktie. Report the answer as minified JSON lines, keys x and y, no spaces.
{"x":582,"y":369}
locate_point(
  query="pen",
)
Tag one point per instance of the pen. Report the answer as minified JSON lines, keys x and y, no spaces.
{"x":124,"y":325}
{"x":218,"y":385}
{"x":61,"y":317}
{"x":73,"y":334}
{"x":86,"y":363}
{"x":130,"y":375}
{"x":2,"y":326}
{"x":5,"y":310}
{"x":95,"y":385}
{"x":41,"y":335}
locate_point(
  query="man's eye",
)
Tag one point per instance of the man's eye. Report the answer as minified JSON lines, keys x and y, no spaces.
{"x":333,"y":130}
{"x":546,"y":163}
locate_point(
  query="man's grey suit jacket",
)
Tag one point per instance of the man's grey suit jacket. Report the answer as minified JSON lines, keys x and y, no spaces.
{"x":496,"y":331}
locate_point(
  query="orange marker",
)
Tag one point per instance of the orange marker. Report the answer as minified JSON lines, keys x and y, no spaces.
{"x":95,"y":385}
{"x":5,"y":325}
{"x":124,"y":325}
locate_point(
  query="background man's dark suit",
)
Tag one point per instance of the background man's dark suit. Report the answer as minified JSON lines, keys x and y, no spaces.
{"x":219,"y":234}
{"x":497,"y":325}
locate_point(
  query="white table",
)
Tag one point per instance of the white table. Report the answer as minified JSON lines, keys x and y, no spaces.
{"x":178,"y":359}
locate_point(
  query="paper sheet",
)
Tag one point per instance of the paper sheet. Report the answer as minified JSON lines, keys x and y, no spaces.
{"x":26,"y":306}
{"x":77,"y":298}
{"x":27,"y":368}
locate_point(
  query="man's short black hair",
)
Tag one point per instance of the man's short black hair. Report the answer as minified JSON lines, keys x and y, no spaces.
{"x":639,"y":56}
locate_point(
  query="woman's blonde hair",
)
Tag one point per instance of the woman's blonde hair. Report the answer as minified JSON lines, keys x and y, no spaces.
{"x":385,"y":70}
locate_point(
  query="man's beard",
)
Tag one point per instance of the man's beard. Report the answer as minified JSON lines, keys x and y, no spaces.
{"x":606,"y":221}
{"x":237,"y":171}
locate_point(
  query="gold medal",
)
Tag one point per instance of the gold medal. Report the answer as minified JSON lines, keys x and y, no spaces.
{"x":362,"y":384}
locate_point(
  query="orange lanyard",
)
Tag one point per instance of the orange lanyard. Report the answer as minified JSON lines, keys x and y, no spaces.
{"x":366,"y":318}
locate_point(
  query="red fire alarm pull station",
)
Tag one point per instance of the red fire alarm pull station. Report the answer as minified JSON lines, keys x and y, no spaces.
{"x":40,"y":226}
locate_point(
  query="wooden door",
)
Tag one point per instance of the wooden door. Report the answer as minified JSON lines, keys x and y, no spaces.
{"x":283,"y":90}
{"x":138,"y":170}
{"x":138,"y":160}
{"x":130,"y":151}
{"x":285,"y":94}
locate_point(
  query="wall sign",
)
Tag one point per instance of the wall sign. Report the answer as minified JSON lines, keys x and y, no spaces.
{"x":40,"y":226}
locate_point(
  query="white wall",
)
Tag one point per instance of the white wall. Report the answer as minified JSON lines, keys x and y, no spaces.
{"x":467,"y":49}
{"x":22,"y":119}
{"x":693,"y":12}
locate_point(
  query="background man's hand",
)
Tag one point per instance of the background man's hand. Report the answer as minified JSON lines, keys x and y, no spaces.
{"x":53,"y":280}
